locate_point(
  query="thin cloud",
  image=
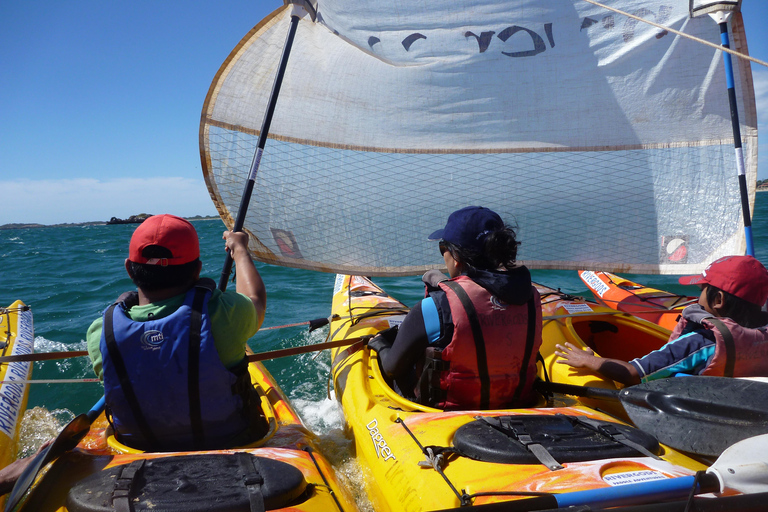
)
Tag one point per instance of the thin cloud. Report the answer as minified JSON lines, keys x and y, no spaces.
{"x":86,"y":199}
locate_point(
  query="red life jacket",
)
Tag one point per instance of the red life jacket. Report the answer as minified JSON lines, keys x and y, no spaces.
{"x":490,"y":362}
{"x":739,"y":351}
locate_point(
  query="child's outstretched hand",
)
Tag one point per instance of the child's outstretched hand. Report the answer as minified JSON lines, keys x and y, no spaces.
{"x":574,"y":356}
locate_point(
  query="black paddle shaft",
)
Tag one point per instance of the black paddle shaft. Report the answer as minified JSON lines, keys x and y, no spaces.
{"x":246,"y":198}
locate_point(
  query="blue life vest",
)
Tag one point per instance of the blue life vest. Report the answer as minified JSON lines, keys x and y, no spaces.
{"x":165,"y":386}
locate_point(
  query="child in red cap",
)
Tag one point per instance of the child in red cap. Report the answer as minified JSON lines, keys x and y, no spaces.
{"x":172,"y":353}
{"x":725,"y":334}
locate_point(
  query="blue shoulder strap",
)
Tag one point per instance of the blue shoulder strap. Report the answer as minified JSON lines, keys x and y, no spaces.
{"x":431,"y":319}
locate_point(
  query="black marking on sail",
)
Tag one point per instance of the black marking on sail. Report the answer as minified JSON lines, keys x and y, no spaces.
{"x":483,"y":40}
{"x":664,"y":12}
{"x":550,"y":36}
{"x":629,"y":26}
{"x":586,"y":23}
{"x":408,"y":41}
{"x":538,"y":42}
{"x":373,"y":40}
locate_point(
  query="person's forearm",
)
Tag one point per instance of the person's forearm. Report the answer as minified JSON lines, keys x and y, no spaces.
{"x":249,"y":282}
{"x":620,"y":371}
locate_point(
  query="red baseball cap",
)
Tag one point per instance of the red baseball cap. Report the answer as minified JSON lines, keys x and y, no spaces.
{"x":168,"y":231}
{"x":742,"y":276}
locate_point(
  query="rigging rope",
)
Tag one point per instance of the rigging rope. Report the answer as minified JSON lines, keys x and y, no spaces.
{"x":688,"y":36}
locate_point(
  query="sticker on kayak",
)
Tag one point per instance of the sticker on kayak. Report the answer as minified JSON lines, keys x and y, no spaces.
{"x":395,"y":320}
{"x":338,"y":283}
{"x":595,"y":283}
{"x":633,"y":477}
{"x":12,"y":394}
{"x":382,"y":449}
{"x":576,"y":307}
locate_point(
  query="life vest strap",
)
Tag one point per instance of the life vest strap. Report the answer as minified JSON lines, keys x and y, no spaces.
{"x":477,"y":335}
{"x":730,"y":346}
{"x":125,"y":381}
{"x":529,"y":342}
{"x":193,"y":371}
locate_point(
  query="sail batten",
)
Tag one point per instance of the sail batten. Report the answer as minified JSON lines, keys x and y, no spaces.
{"x":608,"y":143}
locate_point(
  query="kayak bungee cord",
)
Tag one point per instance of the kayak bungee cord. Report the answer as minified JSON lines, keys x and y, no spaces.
{"x":309,"y":451}
{"x":436,"y":461}
{"x":433,"y":461}
{"x":7,"y":312}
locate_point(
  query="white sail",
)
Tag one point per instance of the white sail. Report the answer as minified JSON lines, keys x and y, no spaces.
{"x":606,"y":140}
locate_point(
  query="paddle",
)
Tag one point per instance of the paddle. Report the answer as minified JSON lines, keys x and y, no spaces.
{"x":743,"y":467}
{"x":298,"y":10}
{"x":313,"y":324}
{"x":696,"y":414}
{"x":274,"y":354}
{"x":67,"y":439}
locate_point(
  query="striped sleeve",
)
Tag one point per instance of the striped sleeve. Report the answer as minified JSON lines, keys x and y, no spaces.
{"x":689,"y":354}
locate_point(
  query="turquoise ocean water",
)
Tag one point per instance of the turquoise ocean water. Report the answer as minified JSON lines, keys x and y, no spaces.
{"x":68,"y":275}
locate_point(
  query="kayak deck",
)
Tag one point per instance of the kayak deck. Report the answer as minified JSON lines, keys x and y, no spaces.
{"x":392,"y":433}
{"x":17,"y":337}
{"x":313,"y":484}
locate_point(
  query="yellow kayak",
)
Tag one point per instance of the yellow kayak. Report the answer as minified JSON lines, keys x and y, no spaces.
{"x":417,"y":458}
{"x":583,"y":323}
{"x":283,"y":468}
{"x":17,"y":337}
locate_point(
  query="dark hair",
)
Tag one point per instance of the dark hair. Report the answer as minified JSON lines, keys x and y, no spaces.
{"x":743,"y":312}
{"x":499,"y":251}
{"x":158,"y":277}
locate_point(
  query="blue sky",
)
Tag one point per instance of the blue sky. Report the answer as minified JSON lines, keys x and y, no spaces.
{"x":100,"y":102}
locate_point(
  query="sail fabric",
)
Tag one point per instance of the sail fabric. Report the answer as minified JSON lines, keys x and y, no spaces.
{"x":606,"y":141}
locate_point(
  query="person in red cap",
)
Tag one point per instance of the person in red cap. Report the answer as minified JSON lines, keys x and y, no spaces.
{"x":472,"y":342}
{"x":725,"y":334}
{"x":172,"y":353}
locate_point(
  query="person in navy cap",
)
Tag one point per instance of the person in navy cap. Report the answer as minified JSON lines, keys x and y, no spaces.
{"x":725,"y":334}
{"x":472,"y":342}
{"x":172,"y":353}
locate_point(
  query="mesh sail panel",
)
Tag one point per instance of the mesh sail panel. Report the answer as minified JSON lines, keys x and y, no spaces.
{"x":606,"y":141}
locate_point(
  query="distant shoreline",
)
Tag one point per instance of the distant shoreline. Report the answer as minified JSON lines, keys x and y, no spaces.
{"x":76,"y":224}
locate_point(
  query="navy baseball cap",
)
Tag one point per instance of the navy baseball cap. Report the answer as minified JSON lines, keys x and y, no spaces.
{"x":469,"y":227}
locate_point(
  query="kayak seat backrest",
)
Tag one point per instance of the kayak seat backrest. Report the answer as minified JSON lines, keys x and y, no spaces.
{"x":566,"y":438}
{"x":191,"y":483}
{"x":618,"y":338}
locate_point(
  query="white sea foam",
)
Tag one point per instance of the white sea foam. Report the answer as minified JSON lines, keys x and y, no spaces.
{"x":45,"y":345}
{"x":321,"y":417}
{"x":38,"y":426}
{"x":72,"y":366}
{"x":326,"y":419}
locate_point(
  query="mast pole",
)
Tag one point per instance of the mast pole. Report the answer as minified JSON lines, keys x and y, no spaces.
{"x":300,"y":9}
{"x":721,"y":18}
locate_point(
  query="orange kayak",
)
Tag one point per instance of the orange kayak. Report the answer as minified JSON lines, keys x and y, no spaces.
{"x":657,"y":306}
